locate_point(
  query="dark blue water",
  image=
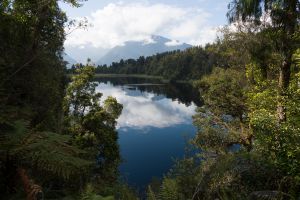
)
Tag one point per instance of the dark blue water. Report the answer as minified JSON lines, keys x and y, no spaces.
{"x":154,"y":126}
{"x":152,"y":154}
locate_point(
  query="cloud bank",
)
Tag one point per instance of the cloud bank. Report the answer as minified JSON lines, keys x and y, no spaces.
{"x":140,"y":110}
{"x":119,"y":22}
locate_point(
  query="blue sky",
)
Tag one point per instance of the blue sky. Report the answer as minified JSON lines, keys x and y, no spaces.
{"x":113,"y":21}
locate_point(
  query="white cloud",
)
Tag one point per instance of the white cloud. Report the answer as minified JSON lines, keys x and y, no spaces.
{"x":140,"y":111}
{"x":119,"y":22}
{"x":173,"y":43}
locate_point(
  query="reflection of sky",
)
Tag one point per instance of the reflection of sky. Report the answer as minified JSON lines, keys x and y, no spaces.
{"x":168,"y":124}
{"x":144,"y":109}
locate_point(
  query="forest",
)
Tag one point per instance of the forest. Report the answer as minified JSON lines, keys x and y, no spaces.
{"x":58,"y":137}
{"x":187,"y":65}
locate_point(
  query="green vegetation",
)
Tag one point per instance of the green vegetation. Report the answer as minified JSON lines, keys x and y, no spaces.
{"x":127,"y":75}
{"x":176,"y":65}
{"x":248,"y":130}
{"x":93,"y":125}
{"x":118,"y":75}
{"x":58,"y":140}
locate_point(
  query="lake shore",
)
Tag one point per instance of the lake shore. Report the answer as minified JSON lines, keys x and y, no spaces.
{"x":129,"y":75}
{"x":163,"y":80}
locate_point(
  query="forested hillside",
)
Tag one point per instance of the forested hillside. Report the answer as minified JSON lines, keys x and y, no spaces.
{"x":190,"y":64}
{"x":175,"y":65}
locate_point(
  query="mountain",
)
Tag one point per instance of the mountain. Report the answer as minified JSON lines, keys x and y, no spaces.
{"x":135,"y":49}
{"x":69,"y":59}
{"x":83,"y":52}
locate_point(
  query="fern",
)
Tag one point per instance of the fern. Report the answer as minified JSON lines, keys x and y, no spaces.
{"x":89,"y":194}
{"x":150,"y":194}
{"x":169,"y":190}
{"x":47,"y":151}
{"x":269,"y":195}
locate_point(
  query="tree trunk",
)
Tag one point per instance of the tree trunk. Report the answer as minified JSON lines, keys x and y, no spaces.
{"x":284,"y":80}
{"x":290,"y":22}
{"x":33,"y":191}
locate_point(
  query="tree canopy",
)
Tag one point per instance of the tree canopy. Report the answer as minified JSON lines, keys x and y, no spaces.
{"x":56,"y":136}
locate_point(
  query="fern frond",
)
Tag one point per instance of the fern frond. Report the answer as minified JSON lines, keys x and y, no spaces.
{"x":269,"y":195}
{"x":50,"y":152}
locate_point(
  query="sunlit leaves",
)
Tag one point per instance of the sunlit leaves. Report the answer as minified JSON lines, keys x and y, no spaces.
{"x":223,"y":91}
{"x":92,"y":122}
{"x":113,"y":107}
{"x":296,"y":58}
{"x":279,"y":141}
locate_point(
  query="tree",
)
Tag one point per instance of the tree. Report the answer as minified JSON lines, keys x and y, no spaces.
{"x":241,"y":111}
{"x":31,"y":92}
{"x":285,"y":23}
{"x":92,"y":123}
{"x":272,"y":117}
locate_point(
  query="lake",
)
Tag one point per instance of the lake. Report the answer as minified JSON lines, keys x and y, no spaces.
{"x":154,"y":126}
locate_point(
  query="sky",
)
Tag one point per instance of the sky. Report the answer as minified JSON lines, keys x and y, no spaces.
{"x":113,"y":22}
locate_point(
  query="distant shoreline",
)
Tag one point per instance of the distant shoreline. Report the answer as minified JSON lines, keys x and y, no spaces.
{"x":129,"y":75}
{"x":138,"y":76}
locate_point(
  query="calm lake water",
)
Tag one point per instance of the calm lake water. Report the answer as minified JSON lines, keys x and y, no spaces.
{"x":154,"y":126}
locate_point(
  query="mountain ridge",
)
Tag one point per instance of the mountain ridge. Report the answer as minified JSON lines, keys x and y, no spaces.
{"x":70,"y":60}
{"x":135,"y":49}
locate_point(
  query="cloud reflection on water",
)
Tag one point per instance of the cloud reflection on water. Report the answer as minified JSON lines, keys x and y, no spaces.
{"x":146,"y":109}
